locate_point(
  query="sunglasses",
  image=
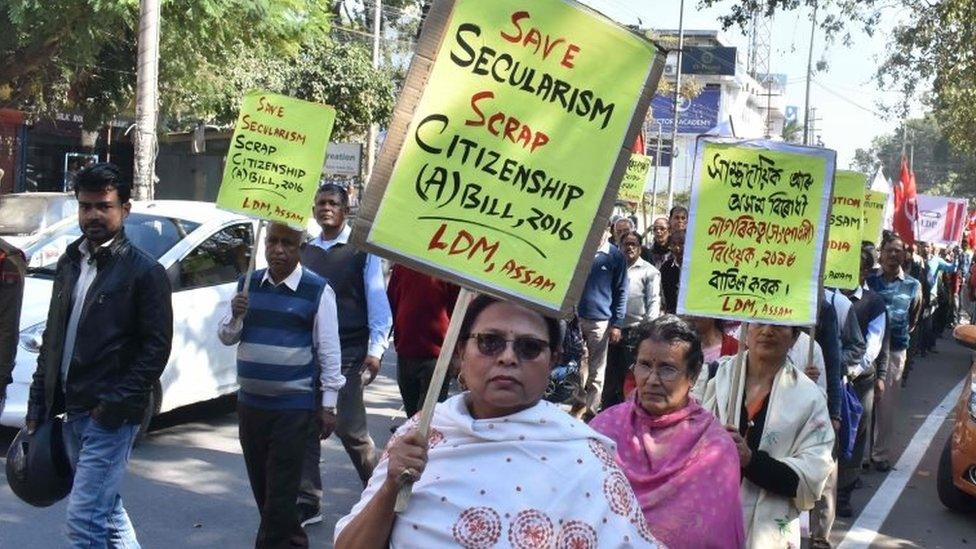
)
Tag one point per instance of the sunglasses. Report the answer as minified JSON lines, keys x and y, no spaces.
{"x":526,"y":347}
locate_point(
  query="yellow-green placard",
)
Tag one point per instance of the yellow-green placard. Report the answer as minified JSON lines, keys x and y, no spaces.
{"x":845,"y":229}
{"x":632,"y":185}
{"x":275,"y":158}
{"x":874,"y":210}
{"x":756,"y":231}
{"x":508,"y":146}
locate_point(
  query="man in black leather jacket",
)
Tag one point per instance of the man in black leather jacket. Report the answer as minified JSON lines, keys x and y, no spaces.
{"x":106,"y":342}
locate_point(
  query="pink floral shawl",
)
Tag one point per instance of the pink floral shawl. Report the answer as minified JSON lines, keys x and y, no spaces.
{"x":684,"y":469}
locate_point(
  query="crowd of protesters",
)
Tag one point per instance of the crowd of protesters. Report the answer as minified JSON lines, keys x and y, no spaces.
{"x":666,"y":441}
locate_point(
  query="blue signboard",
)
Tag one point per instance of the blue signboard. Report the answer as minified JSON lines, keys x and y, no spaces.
{"x":708,"y":60}
{"x":695,"y":116}
{"x":792,"y":113}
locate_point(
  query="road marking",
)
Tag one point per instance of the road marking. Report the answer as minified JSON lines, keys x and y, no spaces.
{"x":862,"y":533}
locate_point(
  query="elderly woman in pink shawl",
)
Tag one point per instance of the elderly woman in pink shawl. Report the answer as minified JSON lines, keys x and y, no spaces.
{"x":678,"y":458}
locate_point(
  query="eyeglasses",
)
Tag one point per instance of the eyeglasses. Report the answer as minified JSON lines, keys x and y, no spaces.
{"x":666,"y":373}
{"x":659,"y":229}
{"x":526,"y":347}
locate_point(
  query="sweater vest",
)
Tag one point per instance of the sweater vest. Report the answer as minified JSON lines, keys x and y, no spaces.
{"x":276,"y":365}
{"x":344,"y":266}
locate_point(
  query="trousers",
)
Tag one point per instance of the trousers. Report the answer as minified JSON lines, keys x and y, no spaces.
{"x":887,"y":407}
{"x":413,"y":378}
{"x":594,"y":369}
{"x":352,"y":431}
{"x":273,"y":442}
{"x":96,"y":517}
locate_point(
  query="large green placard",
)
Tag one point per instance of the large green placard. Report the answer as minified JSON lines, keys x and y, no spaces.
{"x":874,"y":210}
{"x":275,"y":158}
{"x":846,"y":227}
{"x":756,"y":231}
{"x":514,"y":148}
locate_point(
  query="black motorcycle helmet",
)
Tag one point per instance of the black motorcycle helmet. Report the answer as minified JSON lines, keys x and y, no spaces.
{"x":38,"y":470}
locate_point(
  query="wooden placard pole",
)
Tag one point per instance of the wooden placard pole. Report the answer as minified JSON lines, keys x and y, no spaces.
{"x":732,"y":408}
{"x":254,"y":256}
{"x":437,"y":381}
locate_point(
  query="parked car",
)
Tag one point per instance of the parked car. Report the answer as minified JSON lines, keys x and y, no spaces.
{"x":24,"y":215}
{"x":957,"y":465}
{"x":204,"y":251}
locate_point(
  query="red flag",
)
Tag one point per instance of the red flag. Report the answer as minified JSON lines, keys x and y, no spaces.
{"x":639,"y":144}
{"x":906,"y":205}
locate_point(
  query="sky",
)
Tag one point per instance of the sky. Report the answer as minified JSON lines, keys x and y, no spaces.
{"x":845,"y":94}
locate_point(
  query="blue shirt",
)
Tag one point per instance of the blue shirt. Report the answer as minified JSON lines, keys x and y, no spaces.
{"x":605,"y":294}
{"x":903,"y":297}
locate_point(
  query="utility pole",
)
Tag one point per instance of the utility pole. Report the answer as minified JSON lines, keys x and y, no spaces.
{"x":373,"y":128}
{"x":657,"y":162}
{"x":677,"y":96}
{"x":806,"y":108}
{"x":147,"y":101}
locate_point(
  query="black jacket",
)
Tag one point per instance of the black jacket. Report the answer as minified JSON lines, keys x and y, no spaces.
{"x":123,"y":339}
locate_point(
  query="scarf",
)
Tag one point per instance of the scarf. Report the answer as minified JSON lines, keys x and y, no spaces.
{"x":684,"y":469}
{"x":536,"y":478}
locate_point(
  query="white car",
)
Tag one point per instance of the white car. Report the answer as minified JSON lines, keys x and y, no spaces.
{"x":204,"y":250}
{"x":24,"y":215}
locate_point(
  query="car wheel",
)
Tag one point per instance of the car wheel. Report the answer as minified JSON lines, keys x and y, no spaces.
{"x":950,"y":496}
{"x":152,"y":408}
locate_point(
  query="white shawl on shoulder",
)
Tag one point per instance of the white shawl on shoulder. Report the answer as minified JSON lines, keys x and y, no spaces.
{"x":798,"y":433}
{"x":538,"y":478}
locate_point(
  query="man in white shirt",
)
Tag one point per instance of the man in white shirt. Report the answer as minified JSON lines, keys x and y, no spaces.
{"x":286,"y":329}
{"x":365,"y":321}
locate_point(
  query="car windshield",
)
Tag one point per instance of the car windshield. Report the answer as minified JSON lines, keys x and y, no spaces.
{"x":24,"y":214}
{"x":153,"y":234}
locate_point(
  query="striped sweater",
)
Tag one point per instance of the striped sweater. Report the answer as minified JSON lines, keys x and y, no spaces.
{"x":276,"y":365}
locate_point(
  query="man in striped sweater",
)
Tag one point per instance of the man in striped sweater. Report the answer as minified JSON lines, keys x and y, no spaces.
{"x":288,"y":369}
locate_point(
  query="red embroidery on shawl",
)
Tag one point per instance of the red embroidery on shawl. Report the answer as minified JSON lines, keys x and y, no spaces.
{"x":576,"y":535}
{"x":531,"y":529}
{"x":478,"y":528}
{"x":619,"y":495}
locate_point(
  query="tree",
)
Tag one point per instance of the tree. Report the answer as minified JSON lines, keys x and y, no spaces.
{"x":791,"y":132}
{"x":932,"y":56}
{"x":80,"y":55}
{"x":940,"y":168}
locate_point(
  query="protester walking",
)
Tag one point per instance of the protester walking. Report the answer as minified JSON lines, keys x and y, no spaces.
{"x":643,"y":305}
{"x":902,"y":295}
{"x":500,"y":466}
{"x":13,"y":267}
{"x":107,"y":340}
{"x":671,"y":272}
{"x":678,"y":219}
{"x":602,"y":309}
{"x":656,"y":250}
{"x":364,"y":329}
{"x":683,"y":466}
{"x":866,"y":378}
{"x":783,"y":472}
{"x":286,"y":330}
{"x":421,"y":306}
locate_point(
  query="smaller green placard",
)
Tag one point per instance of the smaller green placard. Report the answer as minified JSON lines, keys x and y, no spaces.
{"x":275,"y":158}
{"x":845,"y":229}
{"x":874,"y":210}
{"x":632,"y":185}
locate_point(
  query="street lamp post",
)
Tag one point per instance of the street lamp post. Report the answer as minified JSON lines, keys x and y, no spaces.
{"x":677,"y":96}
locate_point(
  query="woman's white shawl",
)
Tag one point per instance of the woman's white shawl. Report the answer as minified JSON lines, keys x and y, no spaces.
{"x":798,"y":433}
{"x":538,"y":478}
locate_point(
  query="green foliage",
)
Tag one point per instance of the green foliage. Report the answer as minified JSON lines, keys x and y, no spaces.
{"x":931,"y":56}
{"x":940,"y":168}
{"x":64,"y":55}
